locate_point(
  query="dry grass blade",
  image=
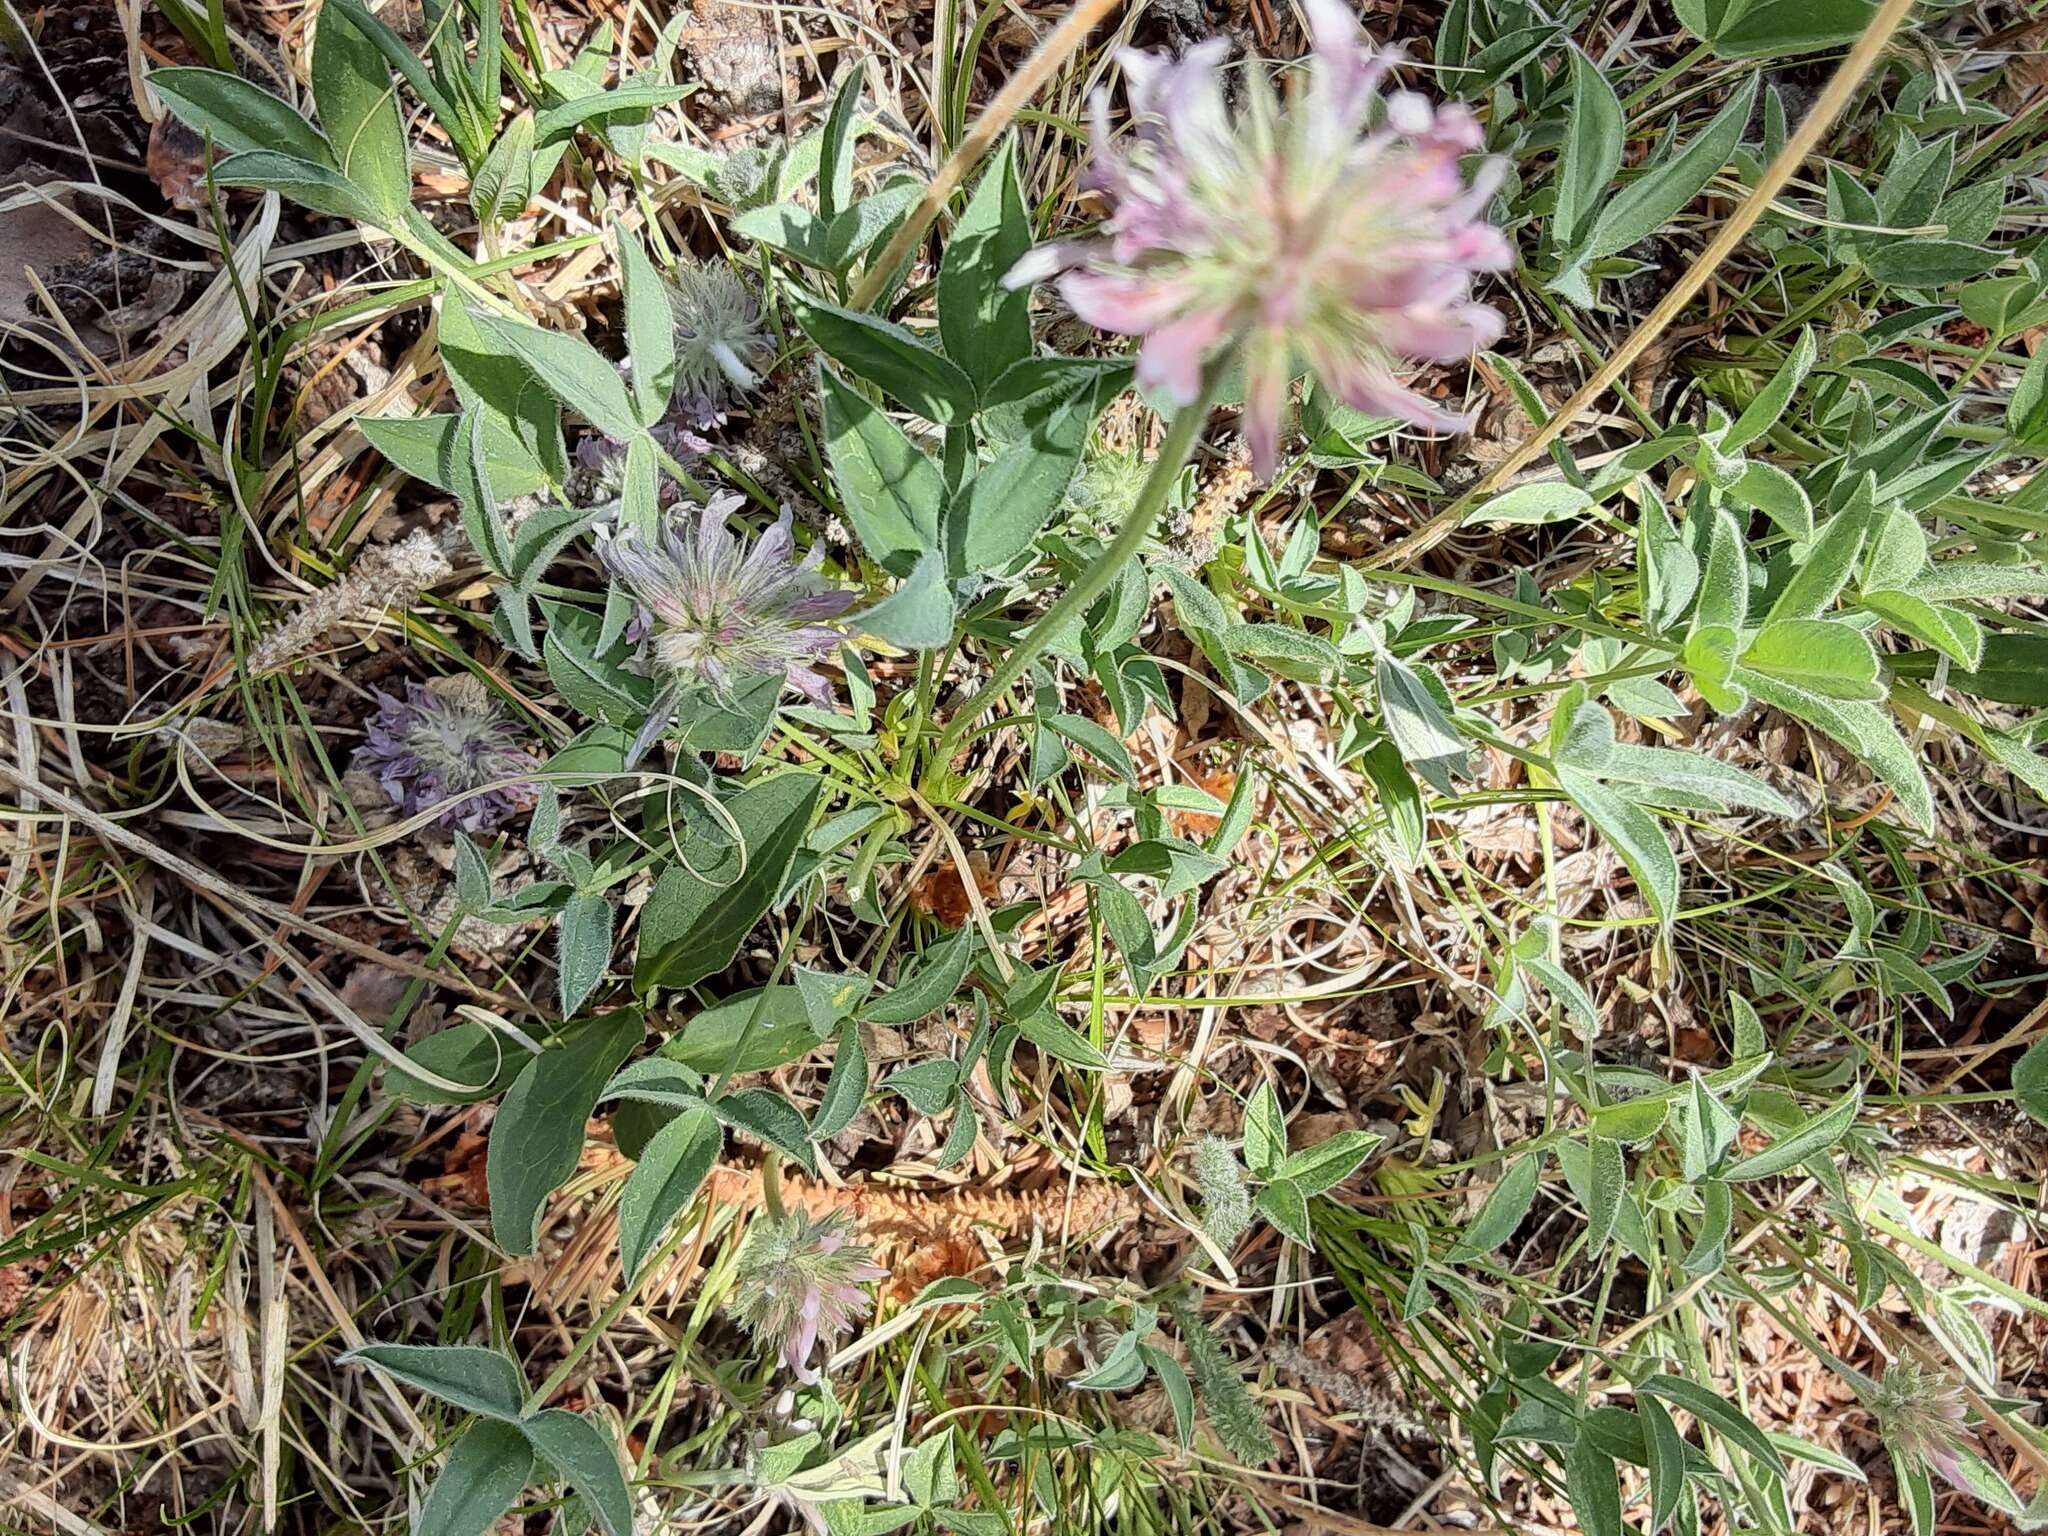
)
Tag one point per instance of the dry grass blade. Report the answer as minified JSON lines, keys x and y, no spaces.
{"x":1827,"y":107}
{"x":250,"y":908}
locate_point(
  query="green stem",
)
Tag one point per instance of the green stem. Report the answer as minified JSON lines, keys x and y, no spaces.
{"x":1664,"y":77}
{"x":1092,"y":582}
{"x":679,"y":1233}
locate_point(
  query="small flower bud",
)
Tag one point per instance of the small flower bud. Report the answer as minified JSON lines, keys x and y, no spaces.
{"x":721,"y":344}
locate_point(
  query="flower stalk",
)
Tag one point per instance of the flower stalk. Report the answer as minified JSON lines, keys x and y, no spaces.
{"x":1071,"y":604}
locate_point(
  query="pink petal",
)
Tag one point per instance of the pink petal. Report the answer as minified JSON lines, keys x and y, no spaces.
{"x":823,"y":605}
{"x":1441,"y":336}
{"x":1453,"y":127}
{"x":1950,"y":1466}
{"x":1101,"y":137}
{"x":1469,"y":206}
{"x":1128,"y":305}
{"x":810,"y":685}
{"x":1142,"y":69}
{"x":1170,"y":361}
{"x":1387,"y":398}
{"x":1332,"y":28}
{"x":1192,"y":102}
{"x":1379,"y":284}
{"x":806,"y":1336}
{"x":1409,"y":112}
{"x":1344,"y":73}
{"x":1043,"y":261}
{"x":712,"y":540}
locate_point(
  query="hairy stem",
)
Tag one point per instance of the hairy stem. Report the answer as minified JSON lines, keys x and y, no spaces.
{"x":1090,"y":584}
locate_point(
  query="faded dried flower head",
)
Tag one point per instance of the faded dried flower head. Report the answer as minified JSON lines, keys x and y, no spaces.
{"x":799,"y":1283}
{"x":1923,"y":1416}
{"x":440,"y":745}
{"x":721,"y":344}
{"x":718,"y":613}
{"x":1296,"y":230}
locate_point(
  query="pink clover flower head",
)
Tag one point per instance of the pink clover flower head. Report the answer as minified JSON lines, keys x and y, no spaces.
{"x":1302,"y":231}
{"x":719,"y":610}
{"x":800,"y":1283}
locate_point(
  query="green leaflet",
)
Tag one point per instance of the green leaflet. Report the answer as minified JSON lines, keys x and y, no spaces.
{"x":666,"y":1176}
{"x":703,"y":907}
{"x":487,"y":1471}
{"x":538,"y":1134}
{"x":1503,"y":1211}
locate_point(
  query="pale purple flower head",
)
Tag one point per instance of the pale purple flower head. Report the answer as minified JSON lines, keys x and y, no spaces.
{"x":1923,"y":1415}
{"x":718,"y":611}
{"x":800,"y":1283}
{"x":1301,"y":231}
{"x":721,"y":344}
{"x":442,"y":743}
